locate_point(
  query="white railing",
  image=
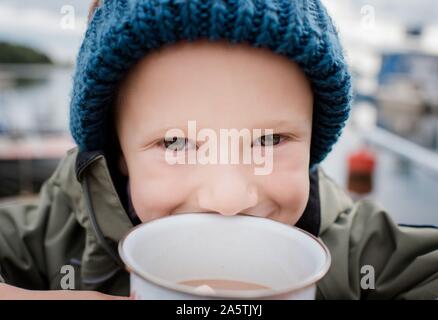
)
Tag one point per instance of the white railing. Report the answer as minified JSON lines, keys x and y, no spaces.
{"x":410,"y":151}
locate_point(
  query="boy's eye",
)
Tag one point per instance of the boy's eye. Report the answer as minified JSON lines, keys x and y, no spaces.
{"x":177,"y":143}
{"x":268,"y":140}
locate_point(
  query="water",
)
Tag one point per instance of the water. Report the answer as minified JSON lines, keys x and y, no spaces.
{"x":34,"y":103}
{"x":34,"y":99}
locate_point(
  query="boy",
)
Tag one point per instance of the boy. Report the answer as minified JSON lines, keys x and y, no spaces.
{"x":147,"y":67}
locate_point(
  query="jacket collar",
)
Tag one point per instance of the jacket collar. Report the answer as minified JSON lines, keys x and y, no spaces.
{"x":310,"y":220}
{"x":110,"y":214}
{"x":99,"y":205}
{"x":333,"y":200}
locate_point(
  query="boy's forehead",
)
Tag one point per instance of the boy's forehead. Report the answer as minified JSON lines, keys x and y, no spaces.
{"x":204,"y":60}
{"x":216,"y":84}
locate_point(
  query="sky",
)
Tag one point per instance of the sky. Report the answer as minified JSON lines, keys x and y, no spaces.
{"x":38,"y":23}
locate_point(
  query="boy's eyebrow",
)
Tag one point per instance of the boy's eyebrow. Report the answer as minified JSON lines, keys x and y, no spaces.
{"x":275,"y":123}
{"x":161,"y":131}
{"x":281,"y":124}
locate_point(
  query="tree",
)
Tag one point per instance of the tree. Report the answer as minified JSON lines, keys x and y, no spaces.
{"x":12,"y":53}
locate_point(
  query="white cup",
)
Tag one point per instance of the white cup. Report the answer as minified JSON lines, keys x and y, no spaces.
{"x":193,"y":246}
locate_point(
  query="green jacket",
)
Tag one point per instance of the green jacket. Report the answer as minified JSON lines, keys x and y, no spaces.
{"x":37,"y":239}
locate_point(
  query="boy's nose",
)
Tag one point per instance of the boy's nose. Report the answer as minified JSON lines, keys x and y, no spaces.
{"x":227,"y":193}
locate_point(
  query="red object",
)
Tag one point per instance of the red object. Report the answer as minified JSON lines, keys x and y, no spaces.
{"x":363,"y":161}
{"x":361,"y":166}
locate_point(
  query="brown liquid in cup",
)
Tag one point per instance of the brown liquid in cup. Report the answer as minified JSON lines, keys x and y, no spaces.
{"x":225,"y":284}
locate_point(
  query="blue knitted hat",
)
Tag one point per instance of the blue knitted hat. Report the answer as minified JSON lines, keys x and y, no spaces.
{"x":123,"y":31}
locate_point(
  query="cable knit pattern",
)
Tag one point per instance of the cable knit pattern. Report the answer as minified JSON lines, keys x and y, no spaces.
{"x":123,"y":31}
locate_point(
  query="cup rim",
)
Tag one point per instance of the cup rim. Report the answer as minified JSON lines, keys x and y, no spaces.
{"x":224,"y":293}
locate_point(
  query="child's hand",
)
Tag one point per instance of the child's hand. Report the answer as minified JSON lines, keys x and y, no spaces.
{"x":8,"y":292}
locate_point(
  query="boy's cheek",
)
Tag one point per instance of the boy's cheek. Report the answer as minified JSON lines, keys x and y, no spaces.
{"x":155,"y":187}
{"x":290,"y":190}
{"x":294,"y":157}
{"x":154,"y":198}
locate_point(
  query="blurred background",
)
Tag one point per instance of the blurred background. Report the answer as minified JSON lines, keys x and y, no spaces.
{"x":389,"y":149}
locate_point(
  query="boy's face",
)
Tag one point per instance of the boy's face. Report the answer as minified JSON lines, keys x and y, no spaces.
{"x":220,"y":87}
